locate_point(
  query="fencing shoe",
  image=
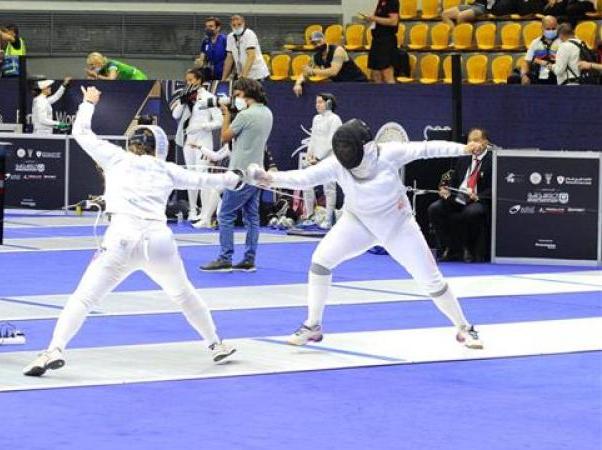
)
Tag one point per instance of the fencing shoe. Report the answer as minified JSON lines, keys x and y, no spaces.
{"x":220,"y":351}
{"x":49,"y":359}
{"x":305,"y":334}
{"x":469,"y":337}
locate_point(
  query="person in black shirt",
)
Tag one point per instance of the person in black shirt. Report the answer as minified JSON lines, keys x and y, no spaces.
{"x":383,"y":51}
{"x":329,"y":61}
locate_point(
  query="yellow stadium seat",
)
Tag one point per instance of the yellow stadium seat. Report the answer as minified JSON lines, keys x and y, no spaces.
{"x":418,"y":36}
{"x":409,"y":79}
{"x":334,"y":34}
{"x":440,"y":36}
{"x":485,"y":36}
{"x":401,"y":34}
{"x":297,"y":65}
{"x":354,"y":37}
{"x":368,"y":38}
{"x":463,"y":36}
{"x":409,"y":9}
{"x":531,"y":31}
{"x":280,"y":67}
{"x":450,"y":4}
{"x":476,"y":69}
{"x":518,"y":62}
{"x":309,"y":30}
{"x":267,"y":58}
{"x":362,"y":63}
{"x":447,"y":69}
{"x":511,"y":36}
{"x":586,"y":31}
{"x":501,"y":67}
{"x":430,"y":9}
{"x":429,"y":69}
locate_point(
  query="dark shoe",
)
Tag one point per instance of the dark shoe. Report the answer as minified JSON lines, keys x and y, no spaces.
{"x":219,"y":265}
{"x":448,"y":256}
{"x":244,"y":266}
{"x":468,"y":256}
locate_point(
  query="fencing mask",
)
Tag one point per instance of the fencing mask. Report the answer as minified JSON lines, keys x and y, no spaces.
{"x":152,"y":139}
{"x":348,"y":142}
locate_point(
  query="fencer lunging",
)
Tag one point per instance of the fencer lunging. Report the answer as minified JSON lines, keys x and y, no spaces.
{"x":138,"y":184}
{"x":323,"y":127}
{"x":376,"y":212}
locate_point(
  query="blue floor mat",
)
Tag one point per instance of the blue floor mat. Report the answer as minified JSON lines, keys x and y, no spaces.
{"x":493,"y":404}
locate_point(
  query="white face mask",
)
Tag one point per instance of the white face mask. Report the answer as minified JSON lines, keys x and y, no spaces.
{"x":240,"y":104}
{"x":238,"y":31}
{"x":550,"y":34}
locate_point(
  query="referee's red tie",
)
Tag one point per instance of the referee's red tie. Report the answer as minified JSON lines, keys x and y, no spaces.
{"x":474,"y":175}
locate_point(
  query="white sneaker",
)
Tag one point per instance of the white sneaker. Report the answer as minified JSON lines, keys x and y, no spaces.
{"x":469,"y":337}
{"x":221,"y":351}
{"x":202,"y":224}
{"x":193,"y":217}
{"x":49,"y":359}
{"x":305,"y":334}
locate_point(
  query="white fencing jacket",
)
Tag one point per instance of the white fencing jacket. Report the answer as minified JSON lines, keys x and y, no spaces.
{"x":41,"y":112}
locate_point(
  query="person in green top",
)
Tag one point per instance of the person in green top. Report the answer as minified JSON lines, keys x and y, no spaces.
{"x":15,"y":45}
{"x":99,"y":67}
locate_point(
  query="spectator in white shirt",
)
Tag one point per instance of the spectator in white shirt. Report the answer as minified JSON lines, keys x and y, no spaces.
{"x":566,"y":66}
{"x":41,"y":108}
{"x":243,"y":58}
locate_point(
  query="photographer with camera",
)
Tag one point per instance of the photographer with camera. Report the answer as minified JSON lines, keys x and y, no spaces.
{"x":249,"y":133}
{"x":196,"y":123}
{"x":213,"y":50}
{"x":459,"y":216}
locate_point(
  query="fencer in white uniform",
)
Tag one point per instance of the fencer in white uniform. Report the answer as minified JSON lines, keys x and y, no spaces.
{"x":196,"y":125}
{"x":211,"y":198}
{"x":41,"y":107}
{"x":323,"y":127}
{"x":138,"y":183}
{"x":376,"y":212}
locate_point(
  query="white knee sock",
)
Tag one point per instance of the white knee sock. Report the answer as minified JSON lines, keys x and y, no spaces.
{"x":317,"y":294}
{"x":193,"y":200}
{"x":448,"y":304}
{"x":309,"y":198}
{"x":70,"y":321}
{"x":198,"y":315}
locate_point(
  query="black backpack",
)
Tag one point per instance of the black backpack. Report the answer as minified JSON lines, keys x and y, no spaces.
{"x":589,"y":76}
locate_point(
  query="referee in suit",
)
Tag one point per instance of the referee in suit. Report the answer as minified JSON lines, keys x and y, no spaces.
{"x":460,"y":220}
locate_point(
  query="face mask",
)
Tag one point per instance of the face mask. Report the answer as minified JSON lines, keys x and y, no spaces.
{"x":238,"y":31}
{"x":240,"y":104}
{"x":320,"y":48}
{"x":209,"y":33}
{"x":550,"y":34}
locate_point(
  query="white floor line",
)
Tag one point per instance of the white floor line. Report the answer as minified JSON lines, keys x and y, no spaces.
{"x":294,"y":295}
{"x":62,"y":243}
{"x":188,"y":360}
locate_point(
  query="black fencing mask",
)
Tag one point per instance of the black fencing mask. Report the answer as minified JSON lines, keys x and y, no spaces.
{"x":348,"y":142}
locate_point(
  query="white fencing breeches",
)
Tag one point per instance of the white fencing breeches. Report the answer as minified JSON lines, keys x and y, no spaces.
{"x":350,"y":238}
{"x":193,"y":157}
{"x":309,"y":199}
{"x":210,"y":201}
{"x":126,"y":250}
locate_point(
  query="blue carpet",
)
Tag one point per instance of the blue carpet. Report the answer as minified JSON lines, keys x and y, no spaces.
{"x":538,"y":403}
{"x":54,"y":272}
{"x":149,"y":329}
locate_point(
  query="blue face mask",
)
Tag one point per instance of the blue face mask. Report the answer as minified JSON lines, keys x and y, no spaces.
{"x":550,"y":34}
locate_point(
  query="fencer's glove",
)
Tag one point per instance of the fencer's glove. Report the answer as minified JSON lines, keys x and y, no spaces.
{"x":235,"y":179}
{"x":257,"y":175}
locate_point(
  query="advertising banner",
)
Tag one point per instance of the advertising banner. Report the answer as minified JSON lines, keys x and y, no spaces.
{"x":36,"y":169}
{"x":547,"y":205}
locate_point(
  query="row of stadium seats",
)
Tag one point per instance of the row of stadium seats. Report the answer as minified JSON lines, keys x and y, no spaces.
{"x":283,"y":67}
{"x":431,"y":10}
{"x":512,"y":36}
